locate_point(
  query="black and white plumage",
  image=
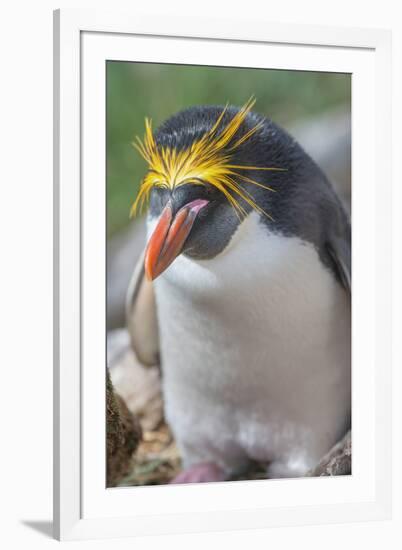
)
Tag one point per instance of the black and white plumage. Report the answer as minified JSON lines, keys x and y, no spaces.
{"x":249,"y":315}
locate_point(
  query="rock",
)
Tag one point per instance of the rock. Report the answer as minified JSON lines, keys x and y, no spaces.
{"x":139,"y":386}
{"x":123,"y":434}
{"x":156,"y":459}
{"x":338,"y":462}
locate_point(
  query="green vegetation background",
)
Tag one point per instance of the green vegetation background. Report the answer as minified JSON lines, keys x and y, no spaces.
{"x":136,"y":90}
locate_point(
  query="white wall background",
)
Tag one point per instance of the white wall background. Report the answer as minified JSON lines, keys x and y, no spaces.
{"x":26,"y":271}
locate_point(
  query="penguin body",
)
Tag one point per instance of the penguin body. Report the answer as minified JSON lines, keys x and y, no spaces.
{"x":253,"y":314}
{"x":262,"y":374}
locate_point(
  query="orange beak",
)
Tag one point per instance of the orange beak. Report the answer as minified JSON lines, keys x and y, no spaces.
{"x":169,"y":236}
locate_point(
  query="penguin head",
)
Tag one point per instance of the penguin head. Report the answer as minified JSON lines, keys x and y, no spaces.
{"x":206,"y":173}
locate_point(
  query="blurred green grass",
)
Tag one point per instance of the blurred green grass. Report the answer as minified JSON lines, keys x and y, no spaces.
{"x":136,"y":90}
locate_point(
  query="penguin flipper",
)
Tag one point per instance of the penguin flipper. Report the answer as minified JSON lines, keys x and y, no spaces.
{"x":142,"y":321}
{"x":340,"y":252}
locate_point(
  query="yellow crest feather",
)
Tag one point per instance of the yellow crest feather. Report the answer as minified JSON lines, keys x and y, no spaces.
{"x":208,"y":159}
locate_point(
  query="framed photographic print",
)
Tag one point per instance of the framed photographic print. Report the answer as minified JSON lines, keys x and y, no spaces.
{"x":219,"y":363}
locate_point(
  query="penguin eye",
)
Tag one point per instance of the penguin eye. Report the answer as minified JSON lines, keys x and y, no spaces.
{"x":207,"y":190}
{"x":210,"y":190}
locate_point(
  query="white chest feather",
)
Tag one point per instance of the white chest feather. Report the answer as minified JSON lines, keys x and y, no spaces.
{"x":255,"y":353}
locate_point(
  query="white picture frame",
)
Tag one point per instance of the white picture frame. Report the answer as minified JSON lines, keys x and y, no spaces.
{"x":83,"y":506}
